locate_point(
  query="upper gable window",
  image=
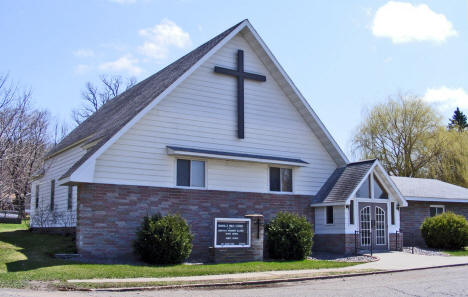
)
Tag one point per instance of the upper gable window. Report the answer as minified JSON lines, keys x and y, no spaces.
{"x":364,"y":191}
{"x":280,"y":179}
{"x":379,"y":191}
{"x":190,"y":173}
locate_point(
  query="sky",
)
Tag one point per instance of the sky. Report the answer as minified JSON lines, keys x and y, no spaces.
{"x":344,"y":56}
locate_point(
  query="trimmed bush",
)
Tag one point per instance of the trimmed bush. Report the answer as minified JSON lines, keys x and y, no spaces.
{"x":289,"y":237}
{"x":445,"y":231}
{"x":163,"y":240}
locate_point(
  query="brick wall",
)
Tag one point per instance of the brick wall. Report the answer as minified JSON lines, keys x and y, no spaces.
{"x":334,"y":243}
{"x":108,"y":215}
{"x":411,"y":218}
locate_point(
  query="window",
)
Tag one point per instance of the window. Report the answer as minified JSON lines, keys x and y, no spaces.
{"x":379,"y":191}
{"x":70,"y":197}
{"x":52,"y":194}
{"x":280,"y":179}
{"x":436,"y":210}
{"x":392,"y":212}
{"x":364,"y":190}
{"x":37,"y":196}
{"x":329,"y":215}
{"x":190,"y":173}
{"x":351,"y":212}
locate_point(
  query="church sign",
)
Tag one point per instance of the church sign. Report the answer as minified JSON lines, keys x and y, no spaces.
{"x":232,"y":232}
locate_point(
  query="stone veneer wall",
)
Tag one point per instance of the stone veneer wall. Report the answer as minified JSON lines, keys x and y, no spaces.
{"x":108,"y":215}
{"x":411,"y":218}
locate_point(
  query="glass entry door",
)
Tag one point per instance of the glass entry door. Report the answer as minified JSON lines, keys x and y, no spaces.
{"x":373,"y":228}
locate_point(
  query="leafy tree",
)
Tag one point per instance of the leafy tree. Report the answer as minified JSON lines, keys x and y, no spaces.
{"x":458,"y":121}
{"x":401,"y":133}
{"x":451,"y":162}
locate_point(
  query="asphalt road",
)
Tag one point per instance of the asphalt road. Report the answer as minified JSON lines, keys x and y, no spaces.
{"x":432,"y":282}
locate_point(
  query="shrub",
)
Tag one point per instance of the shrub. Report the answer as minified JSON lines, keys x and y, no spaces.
{"x":445,"y":231}
{"x":163,"y":240}
{"x":289,"y":237}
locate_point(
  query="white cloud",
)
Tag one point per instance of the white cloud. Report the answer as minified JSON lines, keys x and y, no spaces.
{"x":160,"y":38}
{"x":126,"y":63}
{"x":83,"y":53}
{"x":405,"y":22}
{"x":82,"y":68}
{"x":447,"y":98}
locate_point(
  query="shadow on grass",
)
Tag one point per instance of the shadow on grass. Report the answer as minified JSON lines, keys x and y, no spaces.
{"x":38,"y":249}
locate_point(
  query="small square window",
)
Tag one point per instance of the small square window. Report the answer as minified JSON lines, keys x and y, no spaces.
{"x":329,"y":215}
{"x":436,"y":210}
{"x":280,"y":179}
{"x":190,"y":173}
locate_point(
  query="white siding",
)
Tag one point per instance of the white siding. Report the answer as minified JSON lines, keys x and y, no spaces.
{"x":201,"y":112}
{"x":338,"y":226}
{"x":54,"y":169}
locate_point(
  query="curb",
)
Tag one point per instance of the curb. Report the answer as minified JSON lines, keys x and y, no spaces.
{"x":258,"y":282}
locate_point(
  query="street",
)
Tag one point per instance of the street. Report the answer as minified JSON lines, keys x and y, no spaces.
{"x":451,"y":281}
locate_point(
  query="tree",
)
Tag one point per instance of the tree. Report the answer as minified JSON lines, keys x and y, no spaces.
{"x":458,"y":121}
{"x":451,"y":163}
{"x":23,"y":142}
{"x":96,"y":96}
{"x":401,"y":133}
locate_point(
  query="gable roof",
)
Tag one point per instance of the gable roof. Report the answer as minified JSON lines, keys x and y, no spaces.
{"x":425,"y":188}
{"x":343,"y":182}
{"x":117,"y":114}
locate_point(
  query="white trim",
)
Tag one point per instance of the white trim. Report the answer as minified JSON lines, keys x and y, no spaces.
{"x":327,"y":204}
{"x":235,"y":158}
{"x":409,"y":198}
{"x":232,"y":220}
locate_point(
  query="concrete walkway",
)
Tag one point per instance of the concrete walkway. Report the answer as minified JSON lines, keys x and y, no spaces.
{"x":387,"y":261}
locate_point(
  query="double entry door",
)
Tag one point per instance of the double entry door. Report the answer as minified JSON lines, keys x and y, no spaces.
{"x":373,"y":229}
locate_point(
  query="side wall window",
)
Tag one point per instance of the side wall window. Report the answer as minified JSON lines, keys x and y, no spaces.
{"x":351,"y":212}
{"x":392,"y":212}
{"x":329,"y":215}
{"x":70,"y":198}
{"x":435,"y":210}
{"x":37,"y":196}
{"x":52,"y":194}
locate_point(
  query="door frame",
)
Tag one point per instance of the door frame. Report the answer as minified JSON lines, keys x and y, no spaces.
{"x":373,"y":241}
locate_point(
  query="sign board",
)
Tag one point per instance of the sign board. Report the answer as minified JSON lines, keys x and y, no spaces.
{"x":232,"y":232}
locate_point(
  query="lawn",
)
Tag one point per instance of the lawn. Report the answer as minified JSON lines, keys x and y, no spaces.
{"x":459,"y":252}
{"x":26,"y":256}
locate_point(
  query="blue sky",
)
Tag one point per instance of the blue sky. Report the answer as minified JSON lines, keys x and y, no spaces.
{"x":344,"y":56}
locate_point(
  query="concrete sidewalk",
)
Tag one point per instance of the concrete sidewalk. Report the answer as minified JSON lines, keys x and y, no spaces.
{"x":387,"y":261}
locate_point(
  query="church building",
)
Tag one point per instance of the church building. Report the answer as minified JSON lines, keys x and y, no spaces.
{"x":220,"y":133}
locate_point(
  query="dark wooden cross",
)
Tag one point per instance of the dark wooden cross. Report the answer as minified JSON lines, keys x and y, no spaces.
{"x":240,"y":75}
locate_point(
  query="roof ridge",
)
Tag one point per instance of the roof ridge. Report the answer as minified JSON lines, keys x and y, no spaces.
{"x":362,"y":161}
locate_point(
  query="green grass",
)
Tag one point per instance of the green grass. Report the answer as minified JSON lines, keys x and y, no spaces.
{"x":26,"y":257}
{"x":463,"y":252}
